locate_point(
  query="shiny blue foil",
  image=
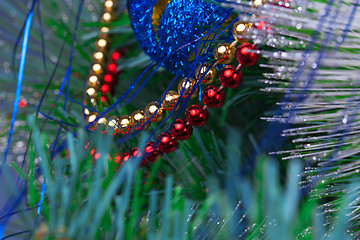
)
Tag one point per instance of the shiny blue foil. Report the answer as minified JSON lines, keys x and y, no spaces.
{"x":182,"y":26}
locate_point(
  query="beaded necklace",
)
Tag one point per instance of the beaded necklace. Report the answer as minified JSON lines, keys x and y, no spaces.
{"x":196,"y":115}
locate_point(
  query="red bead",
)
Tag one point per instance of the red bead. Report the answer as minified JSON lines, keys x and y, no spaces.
{"x":196,"y":115}
{"x":108,"y":78}
{"x":97,"y":156}
{"x":117,"y":158}
{"x":105,"y":88}
{"x":261,"y":25}
{"x":181,"y":130}
{"x":125,"y":157}
{"x":115,"y":56}
{"x":151,"y":154}
{"x":22,"y":103}
{"x":112,"y":67}
{"x":213,"y":97}
{"x":230,"y":77}
{"x":246,"y":57}
{"x":135,"y":152}
{"x":167,"y":143}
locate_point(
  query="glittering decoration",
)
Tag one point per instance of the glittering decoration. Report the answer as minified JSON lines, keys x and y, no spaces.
{"x":167,"y":30}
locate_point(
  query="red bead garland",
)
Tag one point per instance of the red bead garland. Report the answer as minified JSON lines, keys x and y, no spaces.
{"x":196,"y":115}
{"x":230,"y":77}
{"x":111,"y":76}
{"x":213,"y":97}
{"x":181,"y":130}
{"x":168,"y":143}
{"x":246,"y":57}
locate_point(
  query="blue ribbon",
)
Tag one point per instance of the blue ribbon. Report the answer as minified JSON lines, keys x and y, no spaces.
{"x":19,"y":80}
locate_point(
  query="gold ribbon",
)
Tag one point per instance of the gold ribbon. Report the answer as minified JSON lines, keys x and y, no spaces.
{"x":158,"y":11}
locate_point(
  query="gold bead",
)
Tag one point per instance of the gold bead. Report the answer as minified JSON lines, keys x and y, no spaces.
{"x":208,"y":75}
{"x":258,"y":2}
{"x":93,"y":100}
{"x":185,"y":87}
{"x":102,"y":121}
{"x":91,"y":118}
{"x":113,"y":123}
{"x":224,"y":53}
{"x":93,"y":79}
{"x":124,"y":124}
{"x":107,"y":17}
{"x":97,"y":69}
{"x":240,"y":28}
{"x":109,"y":4}
{"x":101,"y":44}
{"x":86,"y":111}
{"x":170,"y":100}
{"x":98,"y":57}
{"x":138,"y":120}
{"x":104,"y":30}
{"x":153,"y":112}
{"x":93,"y":82}
{"x":92,"y":92}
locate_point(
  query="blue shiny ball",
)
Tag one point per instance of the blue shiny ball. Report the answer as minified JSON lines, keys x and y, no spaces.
{"x":170,"y":31}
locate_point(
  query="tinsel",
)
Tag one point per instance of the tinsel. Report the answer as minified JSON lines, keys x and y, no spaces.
{"x":318,"y":73}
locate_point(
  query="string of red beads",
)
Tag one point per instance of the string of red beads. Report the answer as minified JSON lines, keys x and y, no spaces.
{"x":112,"y":75}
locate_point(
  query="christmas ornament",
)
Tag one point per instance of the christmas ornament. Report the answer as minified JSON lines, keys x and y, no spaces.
{"x":164,"y":27}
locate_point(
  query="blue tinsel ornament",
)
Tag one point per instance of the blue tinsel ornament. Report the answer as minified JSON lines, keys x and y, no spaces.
{"x":169,"y":30}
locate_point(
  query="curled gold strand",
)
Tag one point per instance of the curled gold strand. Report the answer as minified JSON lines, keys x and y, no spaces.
{"x":158,"y":11}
